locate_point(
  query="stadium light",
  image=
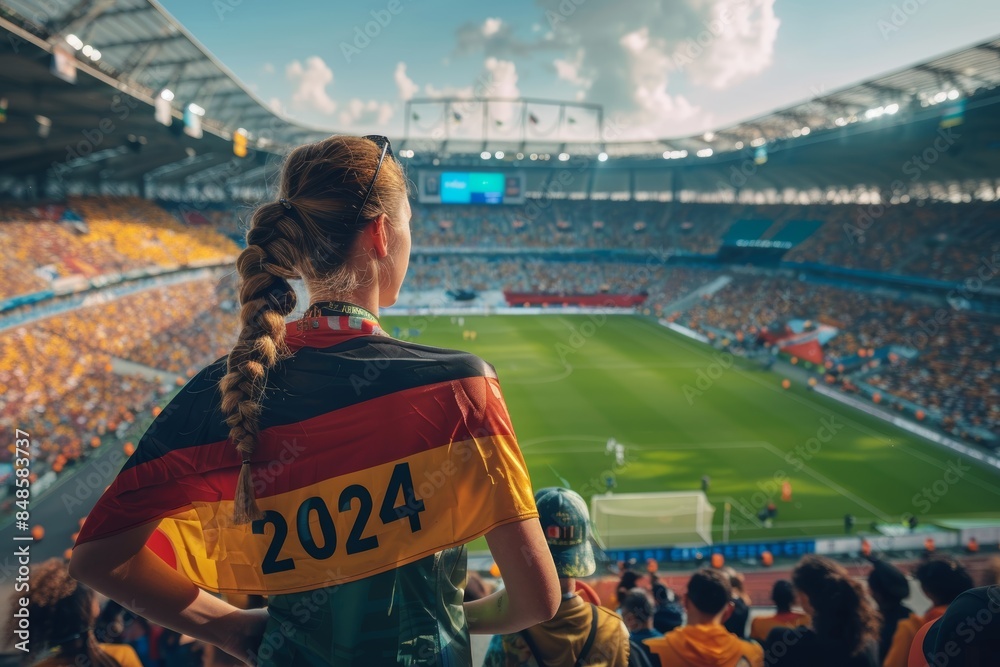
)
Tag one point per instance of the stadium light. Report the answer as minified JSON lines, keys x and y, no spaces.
{"x":759,"y":141}
{"x":666,"y":155}
{"x":167,"y":94}
{"x":705,"y":152}
{"x":196,"y":110}
{"x":95,"y":55}
{"x":953,"y":94}
{"x":87,"y":50}
{"x":796,"y":133}
{"x":840,"y":122}
{"x":74,"y":41}
{"x":709,"y":136}
{"x":563,"y":157}
{"x":602,"y":157}
{"x":533,"y":156}
{"x":940,"y":97}
{"x":519,"y":156}
{"x":874,"y":113}
{"x":892,"y":108}
{"x":805,"y":131}
{"x":498,"y":155}
{"x":485,"y":155}
{"x":739,"y":145}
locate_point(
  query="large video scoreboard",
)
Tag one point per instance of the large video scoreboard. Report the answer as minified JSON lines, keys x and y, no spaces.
{"x":470,"y":187}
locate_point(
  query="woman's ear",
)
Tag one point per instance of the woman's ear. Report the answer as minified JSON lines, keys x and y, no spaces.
{"x":378,"y":229}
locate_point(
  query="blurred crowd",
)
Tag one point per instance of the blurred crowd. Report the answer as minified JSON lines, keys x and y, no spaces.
{"x":958,"y":357}
{"x":820,"y":612}
{"x":59,"y":377}
{"x":92,"y":236}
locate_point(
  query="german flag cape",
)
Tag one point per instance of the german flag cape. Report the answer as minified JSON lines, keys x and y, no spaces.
{"x":373,"y":453}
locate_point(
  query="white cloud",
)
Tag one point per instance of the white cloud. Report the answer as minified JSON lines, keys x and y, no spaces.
{"x":625,"y":56}
{"x":491,"y":27}
{"x":276,"y":105}
{"x":740,"y":43}
{"x":464,"y":92}
{"x":404,"y":84}
{"x":310,"y":82}
{"x":358,"y":112}
{"x":569,"y":69}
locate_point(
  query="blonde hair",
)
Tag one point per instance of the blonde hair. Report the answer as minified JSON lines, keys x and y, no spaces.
{"x":308,"y":233}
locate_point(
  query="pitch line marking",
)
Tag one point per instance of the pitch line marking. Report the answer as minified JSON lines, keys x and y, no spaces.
{"x":831,"y":484}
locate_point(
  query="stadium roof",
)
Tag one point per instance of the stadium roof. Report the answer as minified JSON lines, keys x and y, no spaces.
{"x":130,"y":51}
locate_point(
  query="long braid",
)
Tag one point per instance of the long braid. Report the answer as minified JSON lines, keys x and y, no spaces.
{"x":266,"y":297}
{"x":308,"y":234}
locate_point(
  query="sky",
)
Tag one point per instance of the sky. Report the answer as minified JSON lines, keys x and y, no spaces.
{"x":659,"y":68}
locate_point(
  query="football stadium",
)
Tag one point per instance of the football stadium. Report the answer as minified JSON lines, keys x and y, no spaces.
{"x":772,"y":338}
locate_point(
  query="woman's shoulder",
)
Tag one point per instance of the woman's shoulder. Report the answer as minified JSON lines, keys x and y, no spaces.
{"x":456,"y":364}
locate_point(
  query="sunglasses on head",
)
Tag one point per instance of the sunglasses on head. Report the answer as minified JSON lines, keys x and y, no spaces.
{"x":382,"y":143}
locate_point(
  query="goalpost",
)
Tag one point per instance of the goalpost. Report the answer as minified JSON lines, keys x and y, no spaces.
{"x":640,"y":520}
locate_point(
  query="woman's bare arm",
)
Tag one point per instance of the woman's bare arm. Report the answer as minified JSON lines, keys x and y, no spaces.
{"x":531,"y":591}
{"x":122,"y":568}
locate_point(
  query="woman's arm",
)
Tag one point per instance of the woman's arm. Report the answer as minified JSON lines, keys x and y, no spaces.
{"x":121,"y":568}
{"x":531,"y":593}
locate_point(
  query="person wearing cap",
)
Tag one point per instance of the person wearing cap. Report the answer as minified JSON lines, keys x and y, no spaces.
{"x":967,"y":635}
{"x":783,"y":594}
{"x":705,"y":641}
{"x":889,"y":587}
{"x":942,"y":579}
{"x":580,"y":632}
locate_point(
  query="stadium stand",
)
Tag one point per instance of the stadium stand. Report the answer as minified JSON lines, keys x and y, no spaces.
{"x":172,"y":331}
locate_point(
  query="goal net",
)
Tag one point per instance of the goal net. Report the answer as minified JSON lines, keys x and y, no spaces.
{"x":638,"y":520}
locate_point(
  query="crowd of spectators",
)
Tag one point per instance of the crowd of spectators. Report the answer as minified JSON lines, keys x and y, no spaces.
{"x":661,"y":282}
{"x":958,"y":358}
{"x":59,"y":375}
{"x":100,"y":235}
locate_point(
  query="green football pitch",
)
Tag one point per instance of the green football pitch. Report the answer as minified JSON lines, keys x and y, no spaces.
{"x":683,"y":411}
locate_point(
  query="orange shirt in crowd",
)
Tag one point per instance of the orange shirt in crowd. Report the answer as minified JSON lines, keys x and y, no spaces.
{"x":704,"y":645}
{"x":906,"y":631}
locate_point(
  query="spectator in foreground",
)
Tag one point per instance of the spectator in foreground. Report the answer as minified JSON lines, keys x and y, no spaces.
{"x":844,"y":630}
{"x":967,"y":635}
{"x":580,"y":632}
{"x":704,"y":641}
{"x":62,"y":613}
{"x":942,"y":579}
{"x":889,"y":588}
{"x":783,"y":595}
{"x":389,"y":591}
{"x":737,"y":621}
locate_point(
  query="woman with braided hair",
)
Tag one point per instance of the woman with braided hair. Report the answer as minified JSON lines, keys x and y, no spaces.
{"x":62,"y":612}
{"x":322,"y":463}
